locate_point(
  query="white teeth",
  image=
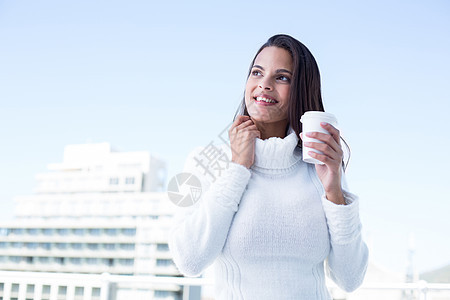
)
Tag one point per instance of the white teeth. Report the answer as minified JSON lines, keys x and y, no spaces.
{"x":265,"y":100}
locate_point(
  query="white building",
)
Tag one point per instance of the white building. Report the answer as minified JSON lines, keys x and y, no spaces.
{"x":101,"y":211}
{"x":97,"y":211}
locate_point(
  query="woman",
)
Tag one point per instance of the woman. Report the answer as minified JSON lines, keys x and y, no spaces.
{"x":270,"y":221}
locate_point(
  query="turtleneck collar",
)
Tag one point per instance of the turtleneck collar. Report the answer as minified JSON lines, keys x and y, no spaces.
{"x":277,"y":155}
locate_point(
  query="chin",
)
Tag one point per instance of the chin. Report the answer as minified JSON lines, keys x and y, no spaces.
{"x":263,"y":119}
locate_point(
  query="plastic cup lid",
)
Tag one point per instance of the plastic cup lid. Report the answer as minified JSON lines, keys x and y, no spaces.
{"x":318,"y":114}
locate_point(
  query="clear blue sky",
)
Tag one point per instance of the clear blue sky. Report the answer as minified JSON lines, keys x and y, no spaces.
{"x":167,"y":76}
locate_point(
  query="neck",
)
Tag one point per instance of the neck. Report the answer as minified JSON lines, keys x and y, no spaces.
{"x":275,"y":129}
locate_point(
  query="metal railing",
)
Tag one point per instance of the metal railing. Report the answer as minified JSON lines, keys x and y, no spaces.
{"x":420,"y":290}
{"x":57,"y":286}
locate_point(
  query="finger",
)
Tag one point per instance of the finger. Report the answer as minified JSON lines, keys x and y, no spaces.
{"x":253,"y":132}
{"x":250,"y":127}
{"x":239,"y":120}
{"x":243,"y":139}
{"x":325,"y":149}
{"x":334,"y":132}
{"x":326,"y":138}
{"x":247,"y":135}
{"x":250,"y":131}
{"x":323,"y":158}
{"x":245,"y":125}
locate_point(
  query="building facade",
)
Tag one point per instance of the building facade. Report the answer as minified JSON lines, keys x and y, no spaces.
{"x":99,"y":211}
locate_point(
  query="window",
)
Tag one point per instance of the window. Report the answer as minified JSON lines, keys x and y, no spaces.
{"x":109,"y":246}
{"x":126,"y":262}
{"x":79,"y":291}
{"x":16,"y":245}
{"x":43,"y":259}
{"x":91,"y":261}
{"x":15,"y":259}
{"x":17,"y":231}
{"x":111,"y":231}
{"x":33,"y":231}
{"x":32,"y":245}
{"x":129,"y":180}
{"x":95,"y":231}
{"x":161,"y":294}
{"x":127,"y":247}
{"x":47,"y":231}
{"x":46,"y":289}
{"x":75,"y":260}
{"x":163,"y":262}
{"x":3,"y":245}
{"x":76,"y":246}
{"x":59,"y":260}
{"x":78,"y":231}
{"x":162,"y":247}
{"x":61,"y":246}
{"x":108,"y":262}
{"x":29,"y":259}
{"x":45,"y":246}
{"x":114,"y":181}
{"x":62,"y":290}
{"x":4,"y":231}
{"x":95,"y":292}
{"x":92,"y":246}
{"x":63,"y":231}
{"x":129,"y":231}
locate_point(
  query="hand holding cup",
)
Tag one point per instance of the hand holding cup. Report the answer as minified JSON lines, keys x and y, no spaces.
{"x":321,"y":146}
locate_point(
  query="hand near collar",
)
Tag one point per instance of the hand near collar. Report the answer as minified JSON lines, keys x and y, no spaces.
{"x":243,"y":133}
{"x":329,"y":173}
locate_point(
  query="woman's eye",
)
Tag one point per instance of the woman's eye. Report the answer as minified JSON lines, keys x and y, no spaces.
{"x":284,"y":78}
{"x":256,"y":73}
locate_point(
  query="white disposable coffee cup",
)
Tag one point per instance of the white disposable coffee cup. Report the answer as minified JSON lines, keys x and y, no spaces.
{"x":311,"y":122}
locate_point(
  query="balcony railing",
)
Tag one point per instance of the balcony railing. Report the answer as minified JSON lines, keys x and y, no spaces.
{"x":56,"y":286}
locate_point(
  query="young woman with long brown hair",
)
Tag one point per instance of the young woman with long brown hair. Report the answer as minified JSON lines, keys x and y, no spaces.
{"x":273,"y":224}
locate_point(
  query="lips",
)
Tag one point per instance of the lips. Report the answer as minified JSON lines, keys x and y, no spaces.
{"x":264,"y":99}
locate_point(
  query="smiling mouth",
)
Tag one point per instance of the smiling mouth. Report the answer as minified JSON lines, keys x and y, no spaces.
{"x":264,"y":100}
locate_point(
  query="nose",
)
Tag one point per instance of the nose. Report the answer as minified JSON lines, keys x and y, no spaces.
{"x":265,"y":84}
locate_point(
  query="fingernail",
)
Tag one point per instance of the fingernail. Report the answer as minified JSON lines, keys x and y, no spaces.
{"x":323,"y":123}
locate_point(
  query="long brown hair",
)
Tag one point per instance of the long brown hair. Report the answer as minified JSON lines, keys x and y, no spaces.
{"x":305,"y":92}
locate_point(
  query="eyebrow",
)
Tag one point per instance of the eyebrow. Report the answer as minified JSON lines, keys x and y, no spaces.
{"x":277,"y":71}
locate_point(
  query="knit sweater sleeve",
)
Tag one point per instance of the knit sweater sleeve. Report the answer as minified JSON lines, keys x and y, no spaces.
{"x":199,"y":231}
{"x":348,"y":258}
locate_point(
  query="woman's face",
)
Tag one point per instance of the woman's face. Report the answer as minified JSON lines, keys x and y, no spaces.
{"x":267,"y":88}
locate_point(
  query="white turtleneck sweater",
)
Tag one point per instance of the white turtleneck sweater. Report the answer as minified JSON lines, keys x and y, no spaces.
{"x":269,"y":229}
